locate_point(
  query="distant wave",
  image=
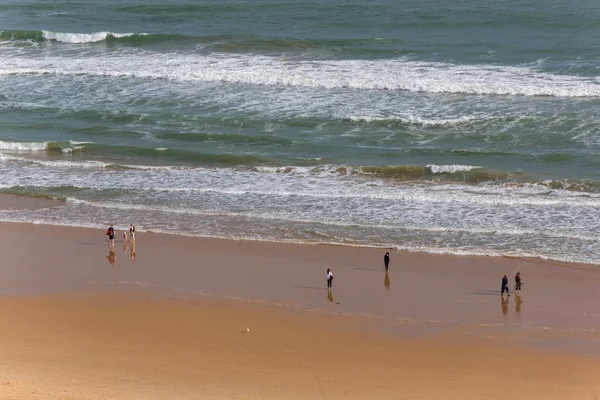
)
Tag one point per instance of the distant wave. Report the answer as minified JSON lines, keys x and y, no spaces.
{"x":222,"y":43}
{"x":49,"y":147}
{"x":476,"y":176}
{"x":85,"y":37}
{"x":23,"y":146}
{"x":450,"y":169}
{"x":417,"y":120}
{"x":64,"y":37}
{"x":226,"y":43}
{"x":400,"y":74}
{"x":36,"y":193}
{"x":185,"y":158}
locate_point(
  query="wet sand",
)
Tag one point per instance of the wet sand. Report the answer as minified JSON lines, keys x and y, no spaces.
{"x":422,"y":294}
{"x":80,"y":322}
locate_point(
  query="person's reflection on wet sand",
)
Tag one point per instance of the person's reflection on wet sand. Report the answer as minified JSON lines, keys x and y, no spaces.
{"x":329,"y":296}
{"x":386,"y":281}
{"x":518,"y":302}
{"x":504,"y":305}
{"x":111,"y":257}
{"x":132,"y":251}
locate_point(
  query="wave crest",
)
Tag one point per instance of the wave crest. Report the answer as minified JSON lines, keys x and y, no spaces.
{"x":85,"y":37}
{"x":48,"y":147}
{"x":64,"y":37}
{"x":400,"y":74}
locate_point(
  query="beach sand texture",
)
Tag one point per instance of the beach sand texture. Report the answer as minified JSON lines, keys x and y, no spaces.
{"x":127,"y":347}
{"x":171,"y":323}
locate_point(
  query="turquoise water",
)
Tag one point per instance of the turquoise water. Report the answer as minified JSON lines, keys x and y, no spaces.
{"x":456,"y":127}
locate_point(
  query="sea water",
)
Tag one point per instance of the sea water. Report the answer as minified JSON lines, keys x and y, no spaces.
{"x":466,"y":127}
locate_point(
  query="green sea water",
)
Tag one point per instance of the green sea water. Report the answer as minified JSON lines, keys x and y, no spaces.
{"x":453,"y":127}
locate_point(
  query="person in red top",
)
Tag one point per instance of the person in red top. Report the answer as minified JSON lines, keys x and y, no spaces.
{"x":111,"y":236}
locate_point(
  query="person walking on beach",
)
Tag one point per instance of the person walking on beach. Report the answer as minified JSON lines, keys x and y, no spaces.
{"x":518,"y":284}
{"x":505,"y":285}
{"x":111,"y":236}
{"x":132,"y":232}
{"x":386,"y":261}
{"x":329,"y":278}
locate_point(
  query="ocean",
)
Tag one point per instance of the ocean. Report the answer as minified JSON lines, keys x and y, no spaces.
{"x":465,"y":127}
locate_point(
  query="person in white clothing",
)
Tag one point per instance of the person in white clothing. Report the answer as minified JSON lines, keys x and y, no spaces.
{"x":329,"y":278}
{"x":132,"y":232}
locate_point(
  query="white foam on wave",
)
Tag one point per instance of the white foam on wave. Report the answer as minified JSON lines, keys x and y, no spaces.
{"x":4,"y":105}
{"x":494,"y":253}
{"x":198,"y":179}
{"x":290,"y":218}
{"x":52,"y":13}
{"x":401,"y":74}
{"x":411,"y":193}
{"x":450,"y":169}
{"x":93,"y":37}
{"x":23,"y":146}
{"x":55,"y":163}
{"x":84,"y":164}
{"x":581,"y":259}
{"x":419,"y":120}
{"x":75,"y":143}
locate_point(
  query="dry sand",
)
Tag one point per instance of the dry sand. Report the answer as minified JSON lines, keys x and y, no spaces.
{"x":76,"y":326}
{"x":133,"y":347}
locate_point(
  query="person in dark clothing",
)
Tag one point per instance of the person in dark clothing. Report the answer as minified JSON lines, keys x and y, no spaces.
{"x":518,"y":284}
{"x":329,"y":278}
{"x":386,"y":261}
{"x":505,"y":285}
{"x":111,"y":236}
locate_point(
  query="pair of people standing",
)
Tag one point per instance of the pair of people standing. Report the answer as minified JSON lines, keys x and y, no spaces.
{"x":518,"y":283}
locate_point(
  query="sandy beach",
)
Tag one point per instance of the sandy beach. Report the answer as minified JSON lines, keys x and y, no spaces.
{"x":170,"y":322}
{"x":134,"y":347}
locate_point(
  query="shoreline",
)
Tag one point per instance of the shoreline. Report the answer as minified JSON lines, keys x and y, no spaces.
{"x":9,"y":202}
